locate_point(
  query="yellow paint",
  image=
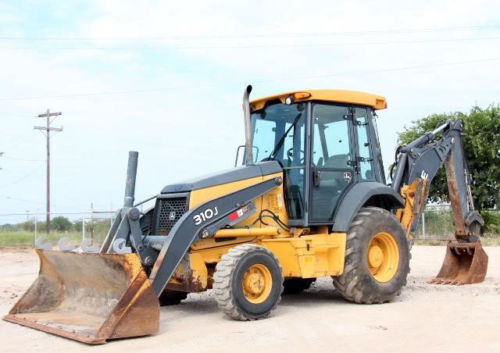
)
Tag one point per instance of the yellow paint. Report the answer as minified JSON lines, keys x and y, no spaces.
{"x":415,"y":196}
{"x":309,"y":256}
{"x":383,"y":257}
{"x":248,"y":232}
{"x":212,"y":251}
{"x":268,"y":201}
{"x":329,"y":95}
{"x":300,"y":254}
{"x":257,"y":283}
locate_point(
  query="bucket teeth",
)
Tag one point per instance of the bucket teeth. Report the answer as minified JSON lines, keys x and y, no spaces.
{"x":64,"y":246}
{"x":120,"y":247}
{"x":86,"y":248}
{"x":41,"y":244}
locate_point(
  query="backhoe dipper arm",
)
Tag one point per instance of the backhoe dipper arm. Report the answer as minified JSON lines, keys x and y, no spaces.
{"x":418,"y":163}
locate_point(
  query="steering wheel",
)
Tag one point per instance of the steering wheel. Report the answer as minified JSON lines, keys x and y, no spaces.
{"x":291,"y":158}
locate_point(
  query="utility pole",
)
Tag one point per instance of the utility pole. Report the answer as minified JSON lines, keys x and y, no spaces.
{"x":47,"y":130}
{"x":1,"y":154}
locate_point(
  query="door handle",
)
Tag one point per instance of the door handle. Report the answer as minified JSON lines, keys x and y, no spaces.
{"x":316,"y":177}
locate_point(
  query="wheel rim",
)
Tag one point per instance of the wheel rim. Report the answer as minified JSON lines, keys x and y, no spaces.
{"x":383,"y":257}
{"x":257,"y":283}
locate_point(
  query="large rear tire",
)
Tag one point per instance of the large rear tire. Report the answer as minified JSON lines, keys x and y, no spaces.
{"x":248,"y":282}
{"x":377,"y":258}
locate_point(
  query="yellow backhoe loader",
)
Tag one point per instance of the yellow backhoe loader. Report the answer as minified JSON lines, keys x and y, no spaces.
{"x":309,"y":200}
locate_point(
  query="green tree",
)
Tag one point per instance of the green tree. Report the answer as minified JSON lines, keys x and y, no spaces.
{"x":77,"y":225}
{"x":27,"y":226}
{"x":61,"y":224}
{"x":481,"y":144}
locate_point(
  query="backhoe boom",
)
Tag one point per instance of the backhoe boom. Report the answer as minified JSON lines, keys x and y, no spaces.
{"x":416,"y":166}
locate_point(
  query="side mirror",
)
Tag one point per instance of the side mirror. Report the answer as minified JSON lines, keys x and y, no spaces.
{"x":236,"y":160}
{"x":240,"y":160}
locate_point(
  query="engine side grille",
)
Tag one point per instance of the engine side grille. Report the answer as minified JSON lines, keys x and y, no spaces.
{"x":167,"y":212}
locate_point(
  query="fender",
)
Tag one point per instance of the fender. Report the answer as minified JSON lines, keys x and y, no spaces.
{"x":357,"y":197}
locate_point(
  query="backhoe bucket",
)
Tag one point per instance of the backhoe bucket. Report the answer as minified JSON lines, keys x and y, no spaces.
{"x":89,"y":297}
{"x":464,"y":263}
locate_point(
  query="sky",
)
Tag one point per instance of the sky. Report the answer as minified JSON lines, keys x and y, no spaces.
{"x":166,"y":79}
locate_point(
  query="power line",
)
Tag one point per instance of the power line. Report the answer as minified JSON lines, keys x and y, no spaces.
{"x":404,"y":68}
{"x":22,"y":200}
{"x":24,"y":160}
{"x":259,"y":45}
{"x":17,"y":181}
{"x":262,"y":35}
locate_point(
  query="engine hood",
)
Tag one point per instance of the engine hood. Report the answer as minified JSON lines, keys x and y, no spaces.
{"x":224,"y":177}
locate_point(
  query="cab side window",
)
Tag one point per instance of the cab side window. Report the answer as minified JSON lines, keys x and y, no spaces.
{"x":366,"y":171}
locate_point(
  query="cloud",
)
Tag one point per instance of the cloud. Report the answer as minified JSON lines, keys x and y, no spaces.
{"x":186,"y":71}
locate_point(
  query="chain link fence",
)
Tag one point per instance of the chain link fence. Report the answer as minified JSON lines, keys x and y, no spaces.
{"x":436,"y":223}
{"x":76,"y":227}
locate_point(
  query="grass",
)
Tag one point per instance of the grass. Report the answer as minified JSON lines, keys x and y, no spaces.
{"x":27,"y":239}
{"x":487,"y":240}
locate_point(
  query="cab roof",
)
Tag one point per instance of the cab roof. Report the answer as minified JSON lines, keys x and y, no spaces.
{"x":330,"y":95}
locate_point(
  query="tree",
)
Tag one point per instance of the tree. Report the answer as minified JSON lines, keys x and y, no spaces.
{"x":481,"y":144}
{"x":61,"y":224}
{"x":77,"y":225}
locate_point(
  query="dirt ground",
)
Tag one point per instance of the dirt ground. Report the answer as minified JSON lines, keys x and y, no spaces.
{"x":425,"y":318}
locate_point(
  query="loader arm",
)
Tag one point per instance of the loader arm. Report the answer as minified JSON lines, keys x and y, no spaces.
{"x":188,"y":229}
{"x":203,"y":221}
{"x":416,"y":166}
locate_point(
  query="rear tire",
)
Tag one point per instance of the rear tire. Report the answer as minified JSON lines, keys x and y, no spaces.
{"x":295,"y":285}
{"x":169,"y":297}
{"x":377,"y":258}
{"x":248,"y":282}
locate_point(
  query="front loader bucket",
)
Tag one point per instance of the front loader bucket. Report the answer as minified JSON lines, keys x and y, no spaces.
{"x":464,"y":263}
{"x":89,"y":297}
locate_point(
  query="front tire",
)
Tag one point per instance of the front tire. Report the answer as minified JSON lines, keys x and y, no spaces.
{"x":248,"y":282}
{"x":377,"y":258}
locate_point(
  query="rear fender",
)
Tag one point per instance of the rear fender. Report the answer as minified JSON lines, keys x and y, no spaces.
{"x":362,"y":194}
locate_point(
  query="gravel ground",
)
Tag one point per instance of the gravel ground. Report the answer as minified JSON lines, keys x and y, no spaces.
{"x":432,"y":318}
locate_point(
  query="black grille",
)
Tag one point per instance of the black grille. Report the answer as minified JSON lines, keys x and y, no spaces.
{"x":168,"y":211}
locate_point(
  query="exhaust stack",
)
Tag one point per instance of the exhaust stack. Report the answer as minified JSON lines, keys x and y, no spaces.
{"x":248,"y":125}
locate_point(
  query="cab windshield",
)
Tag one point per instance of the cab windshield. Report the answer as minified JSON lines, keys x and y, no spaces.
{"x":278,"y":134}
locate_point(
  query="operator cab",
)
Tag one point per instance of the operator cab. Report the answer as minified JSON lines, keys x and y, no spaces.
{"x":324,"y":147}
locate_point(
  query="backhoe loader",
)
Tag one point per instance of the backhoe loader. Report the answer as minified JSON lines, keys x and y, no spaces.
{"x":309,"y":200}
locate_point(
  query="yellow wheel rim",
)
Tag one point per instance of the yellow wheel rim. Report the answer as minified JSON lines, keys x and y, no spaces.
{"x":257,"y":283}
{"x":383,"y":257}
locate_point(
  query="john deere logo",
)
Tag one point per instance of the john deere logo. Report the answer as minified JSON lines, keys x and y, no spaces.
{"x":171,"y":216}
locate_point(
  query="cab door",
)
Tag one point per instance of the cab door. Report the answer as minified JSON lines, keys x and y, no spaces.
{"x":332,"y":166}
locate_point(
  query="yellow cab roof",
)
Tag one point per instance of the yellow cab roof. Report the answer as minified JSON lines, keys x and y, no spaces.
{"x":330,"y":95}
